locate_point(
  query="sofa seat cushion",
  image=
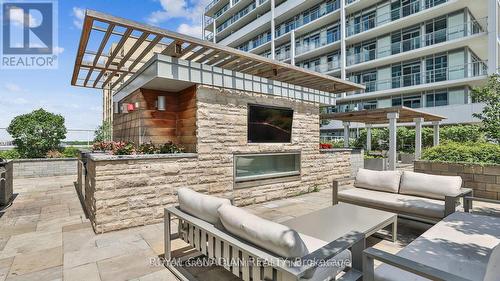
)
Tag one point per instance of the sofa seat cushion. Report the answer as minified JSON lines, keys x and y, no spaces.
{"x":200,"y":205}
{"x":274,"y":237}
{"x":398,"y":203}
{"x":493,"y":267}
{"x":387,"y":181}
{"x":461,"y":244}
{"x":430,"y":186}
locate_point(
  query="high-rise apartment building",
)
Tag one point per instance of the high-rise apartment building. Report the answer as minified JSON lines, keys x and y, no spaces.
{"x":425,"y":54}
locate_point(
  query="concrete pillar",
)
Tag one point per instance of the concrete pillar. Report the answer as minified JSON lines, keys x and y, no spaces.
{"x":214,"y":32}
{"x":292,"y":48}
{"x":343,"y":49}
{"x":273,"y":47}
{"x":346,"y":134}
{"x":435,"y":125}
{"x":392,"y":116}
{"x":418,"y":137}
{"x":368,"y":137}
{"x":492,"y":36}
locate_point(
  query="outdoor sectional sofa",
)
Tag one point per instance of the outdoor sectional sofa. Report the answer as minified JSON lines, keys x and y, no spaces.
{"x":463,"y":246}
{"x":418,"y":196}
{"x":253,"y":248}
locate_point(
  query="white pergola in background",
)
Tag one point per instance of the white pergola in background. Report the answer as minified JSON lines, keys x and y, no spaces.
{"x":391,"y":116}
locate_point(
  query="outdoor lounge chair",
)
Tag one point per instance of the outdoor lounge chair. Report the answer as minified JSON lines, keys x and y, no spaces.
{"x":463,"y":246}
{"x":417,"y":196}
{"x":214,"y":241}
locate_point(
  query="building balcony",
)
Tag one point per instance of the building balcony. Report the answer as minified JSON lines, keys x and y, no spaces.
{"x":437,"y":37}
{"x":317,"y":43}
{"x":325,"y":67}
{"x":439,"y":75}
{"x":393,"y":15}
{"x":323,"y":11}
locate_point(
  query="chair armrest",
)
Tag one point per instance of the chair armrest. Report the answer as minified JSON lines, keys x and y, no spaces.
{"x":371,"y":254}
{"x":450,"y":201}
{"x":335,"y":190}
{"x":353,"y":240}
{"x":469,"y":199}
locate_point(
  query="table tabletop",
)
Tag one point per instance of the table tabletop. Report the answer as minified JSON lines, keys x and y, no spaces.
{"x":333,"y":222}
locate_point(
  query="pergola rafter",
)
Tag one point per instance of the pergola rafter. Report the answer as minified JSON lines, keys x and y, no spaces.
{"x":130,"y":42}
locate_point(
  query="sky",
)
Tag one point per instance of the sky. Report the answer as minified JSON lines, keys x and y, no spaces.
{"x":22,"y":91}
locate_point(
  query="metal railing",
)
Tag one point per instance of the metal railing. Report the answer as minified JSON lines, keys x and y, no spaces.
{"x":210,"y":5}
{"x":323,"y":11}
{"x":444,"y":35}
{"x":236,"y":17}
{"x":395,"y":14}
{"x":323,"y":40}
{"x":468,"y":70}
{"x":283,"y":56}
{"x":252,"y":44}
{"x":325,"y":67}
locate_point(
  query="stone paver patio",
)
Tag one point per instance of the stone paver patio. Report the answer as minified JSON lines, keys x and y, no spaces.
{"x":44,"y":235}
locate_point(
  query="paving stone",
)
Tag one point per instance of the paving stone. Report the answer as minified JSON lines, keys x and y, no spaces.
{"x":31,"y":242}
{"x":5,"y":265}
{"x":137,"y":265}
{"x":161,"y":275}
{"x":49,"y":274}
{"x":86,"y":272}
{"x":36,"y":261}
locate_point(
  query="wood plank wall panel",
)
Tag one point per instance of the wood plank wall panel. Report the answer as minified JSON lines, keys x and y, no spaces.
{"x":177,"y":123}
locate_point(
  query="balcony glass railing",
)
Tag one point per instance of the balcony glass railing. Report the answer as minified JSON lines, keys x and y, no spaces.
{"x":245,"y":11}
{"x":325,"y":67}
{"x":283,"y":56}
{"x":261,"y":40}
{"x":303,"y":20}
{"x":317,"y":43}
{"x":211,"y":4}
{"x":450,"y":33}
{"x":409,"y":9}
{"x":474,"y":69}
{"x":209,"y":37}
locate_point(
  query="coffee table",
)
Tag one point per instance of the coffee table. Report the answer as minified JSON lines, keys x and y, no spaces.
{"x":331,"y":223}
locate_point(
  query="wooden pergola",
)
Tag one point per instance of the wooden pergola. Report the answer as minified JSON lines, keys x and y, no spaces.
{"x":112,"y":49}
{"x":390,"y":115}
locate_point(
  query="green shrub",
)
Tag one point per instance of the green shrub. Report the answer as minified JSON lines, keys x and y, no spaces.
{"x":464,"y":152}
{"x":37,"y":133}
{"x":70,"y":152}
{"x":10,"y":154}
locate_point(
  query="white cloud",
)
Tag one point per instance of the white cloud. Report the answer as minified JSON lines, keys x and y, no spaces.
{"x":189,"y":10}
{"x":58,"y":50}
{"x":78,"y":16}
{"x":191,"y":30}
{"x":13,"y":88}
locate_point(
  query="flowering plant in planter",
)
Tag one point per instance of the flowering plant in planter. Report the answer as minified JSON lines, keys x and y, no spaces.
{"x":325,"y":146}
{"x":129,"y":148}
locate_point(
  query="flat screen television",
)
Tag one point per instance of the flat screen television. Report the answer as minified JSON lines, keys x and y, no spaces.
{"x":268,"y":124}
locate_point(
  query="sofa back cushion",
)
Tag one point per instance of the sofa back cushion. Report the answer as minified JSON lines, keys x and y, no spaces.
{"x":387,"y":181}
{"x":430,"y":186}
{"x":274,"y":237}
{"x":201,"y":205}
{"x":493,"y":268}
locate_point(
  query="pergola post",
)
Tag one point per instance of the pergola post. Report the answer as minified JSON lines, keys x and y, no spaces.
{"x":435,"y":125}
{"x":346,"y":134}
{"x":368,"y":137}
{"x":392,"y":116}
{"x":418,"y":137}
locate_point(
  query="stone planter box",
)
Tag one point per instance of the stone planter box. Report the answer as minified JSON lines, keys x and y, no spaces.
{"x":39,"y":168}
{"x":407,"y":158}
{"x":377,"y":164}
{"x":484,"y":179}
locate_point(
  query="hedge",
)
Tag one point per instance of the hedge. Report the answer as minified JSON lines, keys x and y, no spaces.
{"x":481,"y":153}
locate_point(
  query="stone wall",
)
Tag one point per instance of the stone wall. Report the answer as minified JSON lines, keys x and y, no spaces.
{"x":39,"y":168}
{"x":128,"y":191}
{"x":484,"y":179}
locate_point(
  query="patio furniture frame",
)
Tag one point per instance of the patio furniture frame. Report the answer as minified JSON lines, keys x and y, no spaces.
{"x":216,"y":244}
{"x":450,"y":204}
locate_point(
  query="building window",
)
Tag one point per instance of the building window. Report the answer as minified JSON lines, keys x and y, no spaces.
{"x":412,"y":101}
{"x":264,"y":166}
{"x":370,"y":104}
{"x":437,"y":99}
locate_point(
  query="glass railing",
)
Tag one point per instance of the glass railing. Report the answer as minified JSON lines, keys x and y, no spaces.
{"x":211,"y":4}
{"x":245,"y":11}
{"x":474,"y":69}
{"x":401,"y":12}
{"x":208,"y":21}
{"x":450,"y":33}
{"x":317,"y":43}
{"x":209,"y":37}
{"x":324,"y":10}
{"x":283,"y":56}
{"x":255,"y":43}
{"x":347,"y":2}
{"x":325,"y":67}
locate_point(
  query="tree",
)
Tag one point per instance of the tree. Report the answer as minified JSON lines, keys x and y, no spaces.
{"x":103,"y":132}
{"x":37,"y":133}
{"x":490,"y":116}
